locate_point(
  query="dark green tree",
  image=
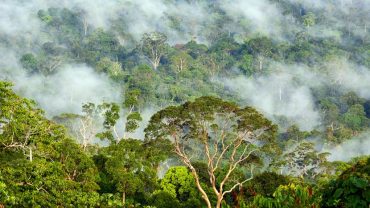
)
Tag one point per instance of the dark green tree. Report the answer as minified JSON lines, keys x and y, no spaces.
{"x":40,"y":165}
{"x":350,"y":189}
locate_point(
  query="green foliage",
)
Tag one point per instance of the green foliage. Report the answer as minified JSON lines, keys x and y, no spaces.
{"x":309,"y":19}
{"x":98,"y":45}
{"x":351,"y":188}
{"x":29,"y":62}
{"x":41,"y":166}
{"x":131,"y":165}
{"x":189,"y":117}
{"x":132,"y":121}
{"x":265,"y":184}
{"x":180,"y":184}
{"x":5,"y":198}
{"x":144,"y":80}
{"x":355,"y":117}
{"x":210,"y":128}
{"x":132,"y":98}
{"x":288,"y":196}
{"x":180,"y":61}
{"x":246,"y":65}
{"x":112,"y":68}
{"x":153,"y":46}
{"x":164,"y":199}
{"x":44,"y":16}
{"x":195,"y":49}
{"x":47,"y":168}
{"x":261,"y":48}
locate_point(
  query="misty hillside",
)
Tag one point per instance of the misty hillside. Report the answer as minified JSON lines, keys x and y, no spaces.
{"x":185,"y":103}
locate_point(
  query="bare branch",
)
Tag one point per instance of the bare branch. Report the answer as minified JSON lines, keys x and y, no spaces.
{"x":239,"y":184}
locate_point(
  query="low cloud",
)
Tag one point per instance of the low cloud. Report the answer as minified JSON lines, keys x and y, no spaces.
{"x":284,"y":93}
{"x":64,"y":91}
{"x":355,"y":147}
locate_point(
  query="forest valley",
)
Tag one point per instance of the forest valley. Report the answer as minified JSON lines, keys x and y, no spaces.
{"x":185,"y":103}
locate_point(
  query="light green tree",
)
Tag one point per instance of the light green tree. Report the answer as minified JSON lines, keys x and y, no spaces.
{"x":153,"y":47}
{"x":218,"y":132}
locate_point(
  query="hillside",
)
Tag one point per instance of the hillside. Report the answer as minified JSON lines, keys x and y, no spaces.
{"x":184,"y":103}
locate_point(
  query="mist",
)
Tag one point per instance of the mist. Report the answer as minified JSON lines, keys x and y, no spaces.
{"x":65,"y":91}
{"x":184,"y":20}
{"x":280,"y":94}
{"x":286,"y":92}
{"x":355,"y":147}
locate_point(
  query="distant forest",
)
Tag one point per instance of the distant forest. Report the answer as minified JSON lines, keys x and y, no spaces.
{"x":185,"y":103}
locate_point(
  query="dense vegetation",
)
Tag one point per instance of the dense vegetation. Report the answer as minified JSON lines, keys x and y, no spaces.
{"x":207,"y":144}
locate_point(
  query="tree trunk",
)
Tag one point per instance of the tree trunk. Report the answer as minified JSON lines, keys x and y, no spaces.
{"x":260,"y":64}
{"x":123,"y":198}
{"x":280,"y":93}
{"x":180,"y":65}
{"x":85,"y":25}
{"x":365,"y":28}
{"x":155,"y":65}
{"x":31,"y":156}
{"x":219,"y":200}
{"x":197,"y":182}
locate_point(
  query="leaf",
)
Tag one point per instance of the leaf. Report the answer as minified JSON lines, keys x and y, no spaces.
{"x":338,"y":193}
{"x":360,"y":182}
{"x":366,"y":195}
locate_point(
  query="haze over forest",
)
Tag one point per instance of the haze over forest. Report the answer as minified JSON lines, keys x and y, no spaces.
{"x":122,"y":103}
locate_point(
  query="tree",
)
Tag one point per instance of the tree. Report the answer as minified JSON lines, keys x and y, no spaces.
{"x":179,"y":183}
{"x":29,"y":62}
{"x":292,"y":195}
{"x":180,"y":61}
{"x":131,"y":104}
{"x":303,"y":160}
{"x":194,"y":49}
{"x":82,"y":14}
{"x":82,"y":127}
{"x":52,"y":57}
{"x":330,"y":118}
{"x":351,"y":188}
{"x":355,"y":118}
{"x":132,"y":164}
{"x":85,"y":127}
{"x":298,"y":156}
{"x":164,"y":199}
{"x":261,"y":48}
{"x":112,"y":68}
{"x":246,"y":65}
{"x":265,"y":184}
{"x":218,"y":132}
{"x":21,"y":124}
{"x":100,"y":44}
{"x":126,"y":165}
{"x":100,"y":121}
{"x":5,"y":197}
{"x":153,"y":46}
{"x":209,"y":65}
{"x":145,"y":80}
{"x":40,"y":165}
{"x":309,"y":19}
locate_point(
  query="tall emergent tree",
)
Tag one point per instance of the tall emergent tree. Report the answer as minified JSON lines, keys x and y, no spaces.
{"x":218,"y":132}
{"x":153,"y":47}
{"x":261,"y":48}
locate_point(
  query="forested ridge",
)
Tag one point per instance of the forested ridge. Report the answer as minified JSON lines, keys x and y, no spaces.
{"x":185,"y":103}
